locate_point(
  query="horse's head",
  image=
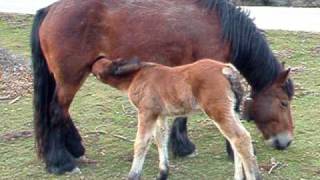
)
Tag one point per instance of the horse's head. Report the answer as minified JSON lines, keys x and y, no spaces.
{"x":270,"y":109}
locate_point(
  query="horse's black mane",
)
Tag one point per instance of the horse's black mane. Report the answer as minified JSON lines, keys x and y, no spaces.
{"x":251,"y":54}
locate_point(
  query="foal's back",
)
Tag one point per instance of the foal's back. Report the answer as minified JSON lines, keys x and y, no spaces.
{"x":179,"y":90}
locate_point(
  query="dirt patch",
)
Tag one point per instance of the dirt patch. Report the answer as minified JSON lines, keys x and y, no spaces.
{"x":15,"y":76}
{"x":15,"y":135}
{"x":16,"y":20}
{"x":316,"y":51}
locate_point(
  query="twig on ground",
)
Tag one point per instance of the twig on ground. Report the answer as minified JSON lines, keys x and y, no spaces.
{"x":124,"y":109}
{"x":122,"y":137}
{"x":14,"y":100}
{"x":4,"y":98}
{"x":274,"y":164}
{"x":15,"y":135}
{"x":97,"y":132}
{"x":85,"y":160}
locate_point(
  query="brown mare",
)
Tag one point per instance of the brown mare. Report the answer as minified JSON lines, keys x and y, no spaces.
{"x":70,"y":35}
{"x":207,"y":86}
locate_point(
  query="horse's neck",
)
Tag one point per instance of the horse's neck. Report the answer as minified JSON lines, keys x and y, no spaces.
{"x":259,"y":72}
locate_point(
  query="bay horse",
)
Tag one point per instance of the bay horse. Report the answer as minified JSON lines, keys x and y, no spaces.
{"x":205,"y":85}
{"x":70,"y":35}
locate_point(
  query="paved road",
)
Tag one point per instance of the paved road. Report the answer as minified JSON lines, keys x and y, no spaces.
{"x":292,"y":19}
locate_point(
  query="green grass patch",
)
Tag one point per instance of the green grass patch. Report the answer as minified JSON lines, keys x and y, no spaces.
{"x":98,"y":107}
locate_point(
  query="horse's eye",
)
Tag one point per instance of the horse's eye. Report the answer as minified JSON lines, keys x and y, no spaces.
{"x":284,"y":103}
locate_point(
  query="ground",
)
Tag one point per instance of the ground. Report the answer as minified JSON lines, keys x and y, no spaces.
{"x":103,"y":115}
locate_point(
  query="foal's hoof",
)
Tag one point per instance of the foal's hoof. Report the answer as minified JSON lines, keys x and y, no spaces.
{"x":134,"y":176}
{"x":163,"y":175}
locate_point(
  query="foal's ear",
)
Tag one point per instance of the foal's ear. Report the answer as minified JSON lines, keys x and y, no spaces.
{"x":283,"y":77}
{"x":125,"y":66}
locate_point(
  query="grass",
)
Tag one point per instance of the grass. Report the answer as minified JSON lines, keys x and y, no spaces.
{"x":98,"y":107}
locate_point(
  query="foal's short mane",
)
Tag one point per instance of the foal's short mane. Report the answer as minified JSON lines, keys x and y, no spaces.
{"x":250,"y":52}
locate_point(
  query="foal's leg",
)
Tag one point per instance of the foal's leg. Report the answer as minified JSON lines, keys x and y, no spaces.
{"x":240,"y":140}
{"x":161,"y":139}
{"x":146,"y":126}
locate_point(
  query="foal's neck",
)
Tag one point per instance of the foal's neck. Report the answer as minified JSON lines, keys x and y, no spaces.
{"x":121,"y":83}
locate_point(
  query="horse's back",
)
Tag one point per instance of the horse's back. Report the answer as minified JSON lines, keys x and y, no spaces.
{"x":169,"y":32}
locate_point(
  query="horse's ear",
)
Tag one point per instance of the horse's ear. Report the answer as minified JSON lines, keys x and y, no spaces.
{"x":283,"y":64}
{"x":283,"y":77}
{"x":124,"y":67}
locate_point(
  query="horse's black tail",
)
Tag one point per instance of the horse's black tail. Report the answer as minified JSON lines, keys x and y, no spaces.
{"x":44,"y":85}
{"x":179,"y":141}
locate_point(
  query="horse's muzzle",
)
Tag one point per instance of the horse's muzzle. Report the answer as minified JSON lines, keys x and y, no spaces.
{"x":280,"y":141}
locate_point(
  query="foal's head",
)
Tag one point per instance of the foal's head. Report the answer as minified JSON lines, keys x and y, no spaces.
{"x":117,"y":73}
{"x":270,"y":109}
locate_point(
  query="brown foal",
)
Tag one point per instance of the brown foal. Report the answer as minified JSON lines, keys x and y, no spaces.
{"x":159,"y":91}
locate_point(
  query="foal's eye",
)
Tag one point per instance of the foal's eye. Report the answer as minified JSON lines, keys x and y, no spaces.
{"x":284,"y":103}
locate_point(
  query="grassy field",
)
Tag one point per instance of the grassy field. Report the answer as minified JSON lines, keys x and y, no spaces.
{"x":99,"y":108}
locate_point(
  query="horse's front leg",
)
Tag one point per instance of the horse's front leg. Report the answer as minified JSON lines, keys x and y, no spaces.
{"x":146,"y":124}
{"x":161,"y":139}
{"x":180,"y":143}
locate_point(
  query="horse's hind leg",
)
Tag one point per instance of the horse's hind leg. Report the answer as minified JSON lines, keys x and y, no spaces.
{"x":161,"y":138}
{"x":73,"y":140}
{"x":64,"y":141}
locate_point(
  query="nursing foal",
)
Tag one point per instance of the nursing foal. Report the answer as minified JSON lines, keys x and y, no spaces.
{"x":158,"y":91}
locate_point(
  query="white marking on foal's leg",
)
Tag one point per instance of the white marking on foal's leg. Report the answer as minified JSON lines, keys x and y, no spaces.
{"x":141,"y":145}
{"x":243,"y":149}
{"x":161,"y":139}
{"x":238,"y":168}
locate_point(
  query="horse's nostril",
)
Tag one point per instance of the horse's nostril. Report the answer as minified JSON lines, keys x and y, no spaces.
{"x":288,"y":144}
{"x":280,"y":141}
{"x":281,"y":145}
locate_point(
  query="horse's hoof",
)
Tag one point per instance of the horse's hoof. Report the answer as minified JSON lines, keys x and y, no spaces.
{"x":76,"y":170}
{"x":194,"y":154}
{"x":62,"y":168}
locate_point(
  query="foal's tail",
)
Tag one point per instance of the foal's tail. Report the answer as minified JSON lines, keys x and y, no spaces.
{"x":43,"y":84}
{"x":233,"y":77}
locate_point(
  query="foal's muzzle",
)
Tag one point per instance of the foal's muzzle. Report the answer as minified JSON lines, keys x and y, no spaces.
{"x":280,"y":141}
